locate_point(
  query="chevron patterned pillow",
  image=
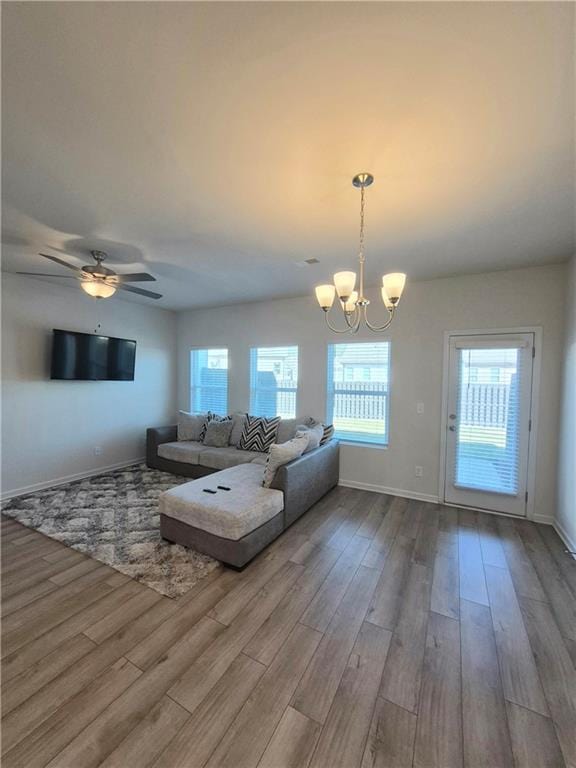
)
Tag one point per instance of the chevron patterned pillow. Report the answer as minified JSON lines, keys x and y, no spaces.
{"x":259,"y":433}
{"x":328,"y":433}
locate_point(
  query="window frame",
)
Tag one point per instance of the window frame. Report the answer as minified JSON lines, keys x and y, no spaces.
{"x":253,"y":362}
{"x":331,"y":391}
{"x":193,"y":387}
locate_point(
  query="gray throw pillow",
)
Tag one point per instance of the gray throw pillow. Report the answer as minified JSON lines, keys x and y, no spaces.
{"x":315,"y":434}
{"x":209,"y":419}
{"x":190,"y":425}
{"x":218,"y":433}
{"x":287,"y":429}
{"x":282,"y":453}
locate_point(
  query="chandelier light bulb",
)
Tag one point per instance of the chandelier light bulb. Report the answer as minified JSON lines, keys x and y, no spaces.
{"x":387,"y":303}
{"x":344,"y":282}
{"x":325,"y":295}
{"x":350,"y":305}
{"x":394,"y":284}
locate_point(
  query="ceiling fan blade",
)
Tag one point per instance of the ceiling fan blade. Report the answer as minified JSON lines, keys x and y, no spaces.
{"x":134,"y":277}
{"x":140,"y":291}
{"x":43,"y":274}
{"x":61,"y":261}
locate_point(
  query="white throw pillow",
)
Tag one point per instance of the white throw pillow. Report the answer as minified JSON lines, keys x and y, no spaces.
{"x":190,"y":425}
{"x":239,"y":419}
{"x":282,"y":453}
{"x":314,"y":434}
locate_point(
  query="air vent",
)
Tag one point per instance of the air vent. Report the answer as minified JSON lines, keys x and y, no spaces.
{"x":307,"y":262}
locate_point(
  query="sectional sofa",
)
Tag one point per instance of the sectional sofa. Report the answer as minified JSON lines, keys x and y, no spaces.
{"x":302,"y":483}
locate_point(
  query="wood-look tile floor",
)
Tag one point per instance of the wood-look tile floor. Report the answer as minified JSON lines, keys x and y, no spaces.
{"x":376,"y":632}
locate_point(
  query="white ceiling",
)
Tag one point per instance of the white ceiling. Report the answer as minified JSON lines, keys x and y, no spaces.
{"x":214,"y":144}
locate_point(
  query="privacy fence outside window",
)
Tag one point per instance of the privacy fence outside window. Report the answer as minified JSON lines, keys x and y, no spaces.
{"x":273,"y":381}
{"x":209,"y":380}
{"x":359,"y":391}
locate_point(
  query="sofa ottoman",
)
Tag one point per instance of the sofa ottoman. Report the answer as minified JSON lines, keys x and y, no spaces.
{"x":231,"y":526}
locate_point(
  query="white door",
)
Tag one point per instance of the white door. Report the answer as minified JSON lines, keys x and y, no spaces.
{"x":488,"y":421}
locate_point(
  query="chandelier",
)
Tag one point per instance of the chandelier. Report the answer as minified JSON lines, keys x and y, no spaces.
{"x":354,"y":304}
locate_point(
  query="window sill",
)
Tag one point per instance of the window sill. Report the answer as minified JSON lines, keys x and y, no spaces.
{"x":358,"y":444}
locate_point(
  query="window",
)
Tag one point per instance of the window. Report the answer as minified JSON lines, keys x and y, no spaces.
{"x":358,"y":391}
{"x":209,"y":380}
{"x":273,"y":381}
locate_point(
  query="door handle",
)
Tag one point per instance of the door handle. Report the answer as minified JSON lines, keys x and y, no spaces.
{"x":452,"y":428}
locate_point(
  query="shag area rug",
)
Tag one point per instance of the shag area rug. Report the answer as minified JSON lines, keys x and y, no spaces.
{"x":114,"y":518}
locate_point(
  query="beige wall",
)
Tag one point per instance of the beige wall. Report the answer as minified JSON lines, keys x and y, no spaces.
{"x":566,"y":516}
{"x":508,"y":299}
{"x":51,"y":428}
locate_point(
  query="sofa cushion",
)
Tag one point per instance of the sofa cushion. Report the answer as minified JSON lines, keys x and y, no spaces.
{"x":239,"y":420}
{"x":218,"y":433}
{"x":190,"y":425}
{"x":223,"y":458}
{"x":187,"y":452}
{"x":259,"y":433}
{"x":210,"y":418}
{"x":230,"y":514}
{"x":315,"y":435}
{"x":281,"y":454}
{"x":288,"y":427}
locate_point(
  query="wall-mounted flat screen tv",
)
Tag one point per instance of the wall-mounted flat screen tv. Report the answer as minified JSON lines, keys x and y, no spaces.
{"x":88,"y":357}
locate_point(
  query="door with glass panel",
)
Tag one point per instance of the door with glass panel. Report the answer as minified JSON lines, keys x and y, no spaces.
{"x":488,"y":421}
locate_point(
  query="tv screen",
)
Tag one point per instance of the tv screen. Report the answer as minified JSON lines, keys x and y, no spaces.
{"x":87,"y":357}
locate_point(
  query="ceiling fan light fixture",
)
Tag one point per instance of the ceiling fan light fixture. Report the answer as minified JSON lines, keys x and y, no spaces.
{"x":98,"y":289}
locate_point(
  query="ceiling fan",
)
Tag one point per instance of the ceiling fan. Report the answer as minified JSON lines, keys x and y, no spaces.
{"x":99,"y":281}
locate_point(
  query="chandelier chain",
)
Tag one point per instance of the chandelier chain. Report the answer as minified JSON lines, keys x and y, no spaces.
{"x":362,"y":209}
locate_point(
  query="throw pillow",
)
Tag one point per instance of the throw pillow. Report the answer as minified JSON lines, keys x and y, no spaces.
{"x":328,"y":433}
{"x":239,"y":420}
{"x":218,"y":433}
{"x":315,"y":434}
{"x":282,"y":453}
{"x":259,"y":433}
{"x":287,"y":429}
{"x":209,"y":418}
{"x":190,"y":425}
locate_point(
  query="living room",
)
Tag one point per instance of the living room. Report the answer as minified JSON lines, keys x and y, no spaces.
{"x":258,"y":511}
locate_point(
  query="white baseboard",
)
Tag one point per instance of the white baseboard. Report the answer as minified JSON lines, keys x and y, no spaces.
{"x":544,"y":519}
{"x":390,"y":491}
{"x":564,"y":535}
{"x":68,"y":479}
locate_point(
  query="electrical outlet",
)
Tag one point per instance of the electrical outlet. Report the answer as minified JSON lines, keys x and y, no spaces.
{"x":419,"y":408}
{"x":418,"y":471}
{"x":97,"y":450}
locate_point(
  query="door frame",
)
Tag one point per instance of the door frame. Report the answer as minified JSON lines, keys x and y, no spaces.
{"x":534,"y":400}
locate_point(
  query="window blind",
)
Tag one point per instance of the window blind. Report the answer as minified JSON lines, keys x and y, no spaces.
{"x":488,"y":419}
{"x":273,"y":381}
{"x":209,"y":380}
{"x":358,"y":397}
